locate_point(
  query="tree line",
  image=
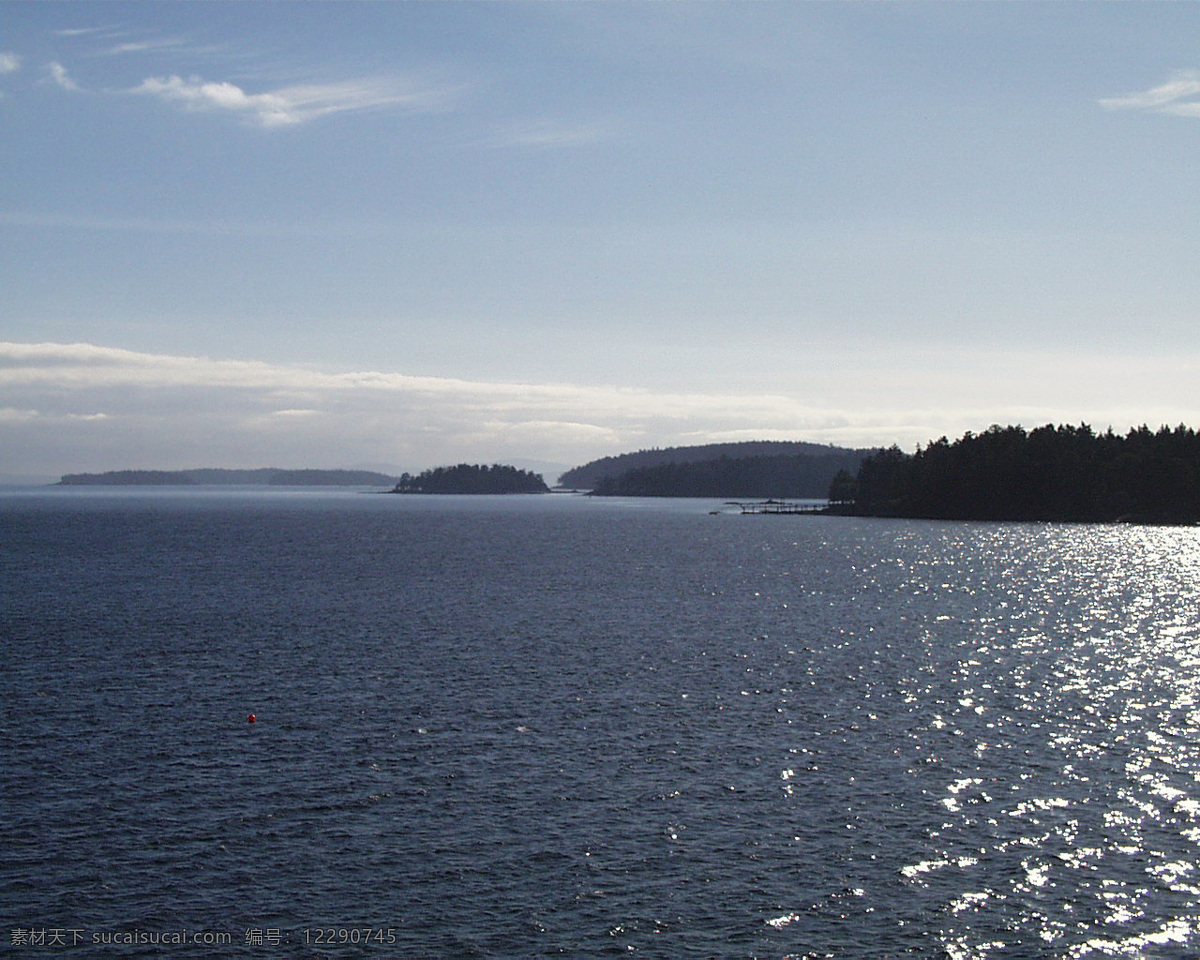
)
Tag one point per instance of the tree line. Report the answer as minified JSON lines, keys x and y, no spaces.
{"x":472,"y":478}
{"x":1063,"y":473}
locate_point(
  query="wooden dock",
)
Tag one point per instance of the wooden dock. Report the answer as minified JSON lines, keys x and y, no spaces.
{"x":760,"y":507}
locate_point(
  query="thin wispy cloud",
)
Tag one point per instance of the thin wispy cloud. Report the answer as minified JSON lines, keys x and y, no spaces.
{"x":1179,"y":96}
{"x":9,"y":63}
{"x":84,"y":31}
{"x":123,"y":39}
{"x":146,"y":46}
{"x":289,"y":106}
{"x":553,"y":134}
{"x":57,"y":74}
{"x":282,"y":106}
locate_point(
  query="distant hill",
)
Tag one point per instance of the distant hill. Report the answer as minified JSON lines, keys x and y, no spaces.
{"x":756,"y":478}
{"x":266,"y":476}
{"x":589,"y":476}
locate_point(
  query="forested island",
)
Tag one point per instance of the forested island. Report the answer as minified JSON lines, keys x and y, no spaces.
{"x":1061,"y":473}
{"x":266,"y":476}
{"x":796,"y":475}
{"x":468,"y":478}
{"x":590,"y":475}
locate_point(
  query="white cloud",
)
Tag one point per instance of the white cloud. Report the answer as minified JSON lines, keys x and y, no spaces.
{"x":168,"y":410}
{"x":9,"y":63}
{"x":1179,"y":96}
{"x":59,"y":76}
{"x":288,"y":106}
{"x":80,"y":407}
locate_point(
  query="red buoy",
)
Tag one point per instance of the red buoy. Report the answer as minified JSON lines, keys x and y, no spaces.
{"x":250,"y":719}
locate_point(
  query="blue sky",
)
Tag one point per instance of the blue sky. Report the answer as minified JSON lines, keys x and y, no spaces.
{"x":406,"y":234}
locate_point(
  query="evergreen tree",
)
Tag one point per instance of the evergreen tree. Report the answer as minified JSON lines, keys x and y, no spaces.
{"x":1067,"y":473}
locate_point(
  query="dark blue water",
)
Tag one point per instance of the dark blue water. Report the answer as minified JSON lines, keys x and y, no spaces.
{"x":556,"y":726}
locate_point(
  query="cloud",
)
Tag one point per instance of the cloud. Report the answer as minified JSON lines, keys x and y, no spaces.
{"x":96,"y":407}
{"x":18,"y":415}
{"x":59,"y":76}
{"x":1179,"y":96}
{"x":9,"y":63}
{"x":289,"y":106}
{"x":68,"y":408}
{"x":146,"y":46}
{"x":553,"y":134}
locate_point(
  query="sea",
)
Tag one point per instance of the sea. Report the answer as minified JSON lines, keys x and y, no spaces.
{"x":267,"y":723}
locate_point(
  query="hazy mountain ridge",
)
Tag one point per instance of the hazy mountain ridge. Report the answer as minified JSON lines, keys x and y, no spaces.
{"x":215,"y":476}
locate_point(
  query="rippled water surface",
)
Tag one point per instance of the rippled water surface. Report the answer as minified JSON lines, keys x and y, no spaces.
{"x":556,"y":726}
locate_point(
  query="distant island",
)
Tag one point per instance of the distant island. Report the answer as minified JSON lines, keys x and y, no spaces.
{"x":472,"y":479}
{"x":267,"y":476}
{"x":735,"y":470}
{"x":804,"y":470}
{"x":1059,"y":473}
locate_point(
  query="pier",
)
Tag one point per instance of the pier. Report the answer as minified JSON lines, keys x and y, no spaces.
{"x":779,"y":507}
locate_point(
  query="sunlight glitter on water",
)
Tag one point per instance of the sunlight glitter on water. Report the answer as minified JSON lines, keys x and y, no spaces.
{"x":1122,"y":719}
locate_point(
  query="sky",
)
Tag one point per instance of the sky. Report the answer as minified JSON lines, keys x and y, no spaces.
{"x":400,"y":235}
